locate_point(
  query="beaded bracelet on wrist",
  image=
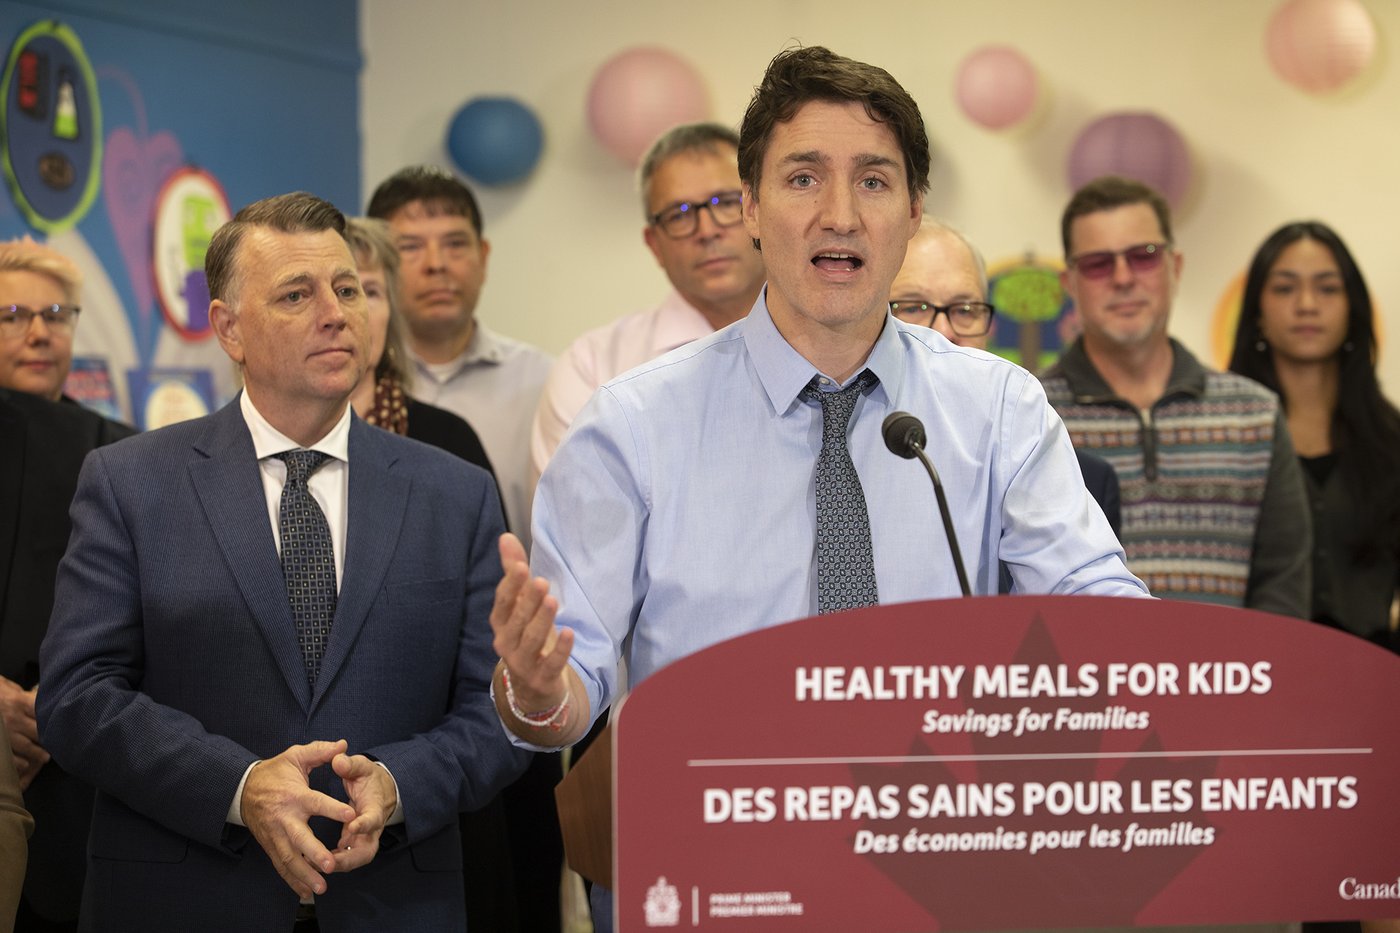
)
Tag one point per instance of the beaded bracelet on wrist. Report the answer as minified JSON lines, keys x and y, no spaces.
{"x":554,"y":718}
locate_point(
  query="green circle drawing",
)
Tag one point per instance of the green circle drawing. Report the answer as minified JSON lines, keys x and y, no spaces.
{"x":62,"y":34}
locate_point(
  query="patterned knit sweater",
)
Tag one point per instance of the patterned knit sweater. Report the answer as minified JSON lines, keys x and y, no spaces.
{"x":1214,"y":507}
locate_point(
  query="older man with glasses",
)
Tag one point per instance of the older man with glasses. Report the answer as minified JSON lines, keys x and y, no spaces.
{"x":1214,"y":508}
{"x":691,"y":200}
{"x":943,"y":285}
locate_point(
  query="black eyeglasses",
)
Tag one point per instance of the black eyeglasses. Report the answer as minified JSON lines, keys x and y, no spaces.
{"x":14,"y":319}
{"x":1143,"y":258}
{"x":967,"y":318}
{"x":679,"y":221}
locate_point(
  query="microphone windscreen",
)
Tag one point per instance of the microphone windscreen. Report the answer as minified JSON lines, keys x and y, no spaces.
{"x":903,"y":434}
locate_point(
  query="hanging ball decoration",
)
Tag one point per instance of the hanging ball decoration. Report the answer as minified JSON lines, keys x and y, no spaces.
{"x":996,"y":87}
{"x":640,"y":93}
{"x":1320,"y":45}
{"x":495,"y":140}
{"x":1141,"y":146}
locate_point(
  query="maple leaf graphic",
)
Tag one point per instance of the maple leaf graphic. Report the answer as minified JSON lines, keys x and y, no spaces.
{"x":1095,"y":886}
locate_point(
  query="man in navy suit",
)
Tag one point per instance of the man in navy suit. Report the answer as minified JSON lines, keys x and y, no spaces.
{"x":253,"y":772}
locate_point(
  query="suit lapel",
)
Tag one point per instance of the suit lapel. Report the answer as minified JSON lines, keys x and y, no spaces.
{"x":229,"y":486}
{"x":377,"y":501}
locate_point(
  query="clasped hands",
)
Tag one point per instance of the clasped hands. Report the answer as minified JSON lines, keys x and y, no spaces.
{"x":278,"y":802}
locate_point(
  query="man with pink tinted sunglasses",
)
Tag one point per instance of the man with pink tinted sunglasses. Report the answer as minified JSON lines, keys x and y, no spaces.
{"x":1214,"y":508}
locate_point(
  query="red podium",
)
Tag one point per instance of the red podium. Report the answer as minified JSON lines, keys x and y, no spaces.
{"x":1009,"y":762}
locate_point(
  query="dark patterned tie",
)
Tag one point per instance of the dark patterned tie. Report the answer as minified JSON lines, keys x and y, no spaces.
{"x":845,"y":559}
{"x":308,"y":562}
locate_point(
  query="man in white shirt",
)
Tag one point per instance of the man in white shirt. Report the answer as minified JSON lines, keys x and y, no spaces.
{"x":689,"y":180}
{"x":269,"y":649}
{"x":490,"y":380}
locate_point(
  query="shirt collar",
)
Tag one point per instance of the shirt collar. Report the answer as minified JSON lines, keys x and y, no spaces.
{"x":784,"y":372}
{"x":1188,"y":376}
{"x":484,"y":347}
{"x":268,"y":441}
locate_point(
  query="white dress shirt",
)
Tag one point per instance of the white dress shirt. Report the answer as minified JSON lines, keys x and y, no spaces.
{"x":330,"y":487}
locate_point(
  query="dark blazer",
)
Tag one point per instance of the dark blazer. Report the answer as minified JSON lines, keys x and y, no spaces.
{"x":1102,"y":483}
{"x":171,"y":665}
{"x":440,"y":428}
{"x":42,"y":446}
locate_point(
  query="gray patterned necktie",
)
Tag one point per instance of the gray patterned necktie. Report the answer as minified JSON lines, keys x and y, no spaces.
{"x":308,"y":562}
{"x":845,"y":559}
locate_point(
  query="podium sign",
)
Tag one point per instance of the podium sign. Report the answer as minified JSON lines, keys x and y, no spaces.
{"x":1012,"y":762}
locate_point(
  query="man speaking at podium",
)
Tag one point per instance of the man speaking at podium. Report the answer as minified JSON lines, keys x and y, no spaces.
{"x":742,"y":481}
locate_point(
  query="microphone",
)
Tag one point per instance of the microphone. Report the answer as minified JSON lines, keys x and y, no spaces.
{"x":904,"y":436}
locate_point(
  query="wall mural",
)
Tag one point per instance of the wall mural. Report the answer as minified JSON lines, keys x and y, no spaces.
{"x":125,"y":145}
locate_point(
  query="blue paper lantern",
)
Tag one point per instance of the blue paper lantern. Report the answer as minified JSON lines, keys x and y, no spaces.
{"x":495,"y":140}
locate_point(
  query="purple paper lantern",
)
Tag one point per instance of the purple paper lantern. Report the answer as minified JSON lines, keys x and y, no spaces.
{"x":1141,"y":146}
{"x":1320,"y":45}
{"x":996,"y":87}
{"x":639,"y":94}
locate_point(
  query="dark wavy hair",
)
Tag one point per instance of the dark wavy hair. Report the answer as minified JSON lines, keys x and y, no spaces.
{"x":798,"y":76}
{"x":440,"y":192}
{"x":1112,"y":191}
{"x":1365,"y":425}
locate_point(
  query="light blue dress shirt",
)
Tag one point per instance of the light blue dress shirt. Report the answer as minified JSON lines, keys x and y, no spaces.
{"x":679,"y":511}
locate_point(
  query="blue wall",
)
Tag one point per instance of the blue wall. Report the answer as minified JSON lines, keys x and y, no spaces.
{"x":263,"y":94}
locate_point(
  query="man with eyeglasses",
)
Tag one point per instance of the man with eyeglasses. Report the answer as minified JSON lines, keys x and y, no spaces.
{"x":1214,"y":508}
{"x":689,"y":180}
{"x":943,"y":285}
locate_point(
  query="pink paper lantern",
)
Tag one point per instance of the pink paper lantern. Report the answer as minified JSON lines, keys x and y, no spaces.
{"x":1320,"y":45}
{"x":1141,"y":146}
{"x":996,"y":87}
{"x":639,"y":94}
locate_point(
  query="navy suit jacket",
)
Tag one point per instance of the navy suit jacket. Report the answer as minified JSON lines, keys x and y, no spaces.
{"x":171,"y":664}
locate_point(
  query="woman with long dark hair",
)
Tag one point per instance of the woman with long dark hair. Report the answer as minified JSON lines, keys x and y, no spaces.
{"x":1306,"y":331}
